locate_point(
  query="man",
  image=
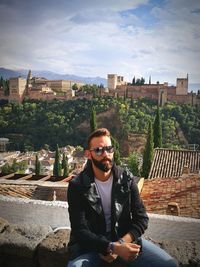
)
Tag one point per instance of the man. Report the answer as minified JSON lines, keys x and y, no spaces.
{"x":107,"y":215}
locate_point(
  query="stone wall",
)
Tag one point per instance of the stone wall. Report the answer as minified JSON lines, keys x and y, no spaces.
{"x":40,"y":246}
{"x":38,"y":212}
{"x":35,"y":233}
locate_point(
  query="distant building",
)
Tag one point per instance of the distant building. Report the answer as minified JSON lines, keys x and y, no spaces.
{"x":39,"y":88}
{"x":114,"y":81}
{"x":161,"y":93}
{"x":17,"y":88}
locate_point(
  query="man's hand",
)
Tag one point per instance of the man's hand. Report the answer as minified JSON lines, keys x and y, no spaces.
{"x":127,"y":251}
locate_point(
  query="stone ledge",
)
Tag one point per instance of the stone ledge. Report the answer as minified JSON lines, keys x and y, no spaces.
{"x":40,"y":246}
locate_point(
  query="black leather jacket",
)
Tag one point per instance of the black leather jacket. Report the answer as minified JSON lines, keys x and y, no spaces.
{"x":88,"y":226}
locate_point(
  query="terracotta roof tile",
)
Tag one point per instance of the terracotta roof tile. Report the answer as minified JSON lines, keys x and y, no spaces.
{"x":171,"y":163}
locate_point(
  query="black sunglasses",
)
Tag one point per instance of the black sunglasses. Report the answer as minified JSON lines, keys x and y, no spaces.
{"x":100,"y":150}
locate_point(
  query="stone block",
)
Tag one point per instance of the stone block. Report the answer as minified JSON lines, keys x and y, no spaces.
{"x":3,"y":224}
{"x":22,"y":240}
{"x":52,"y":251}
{"x":187,"y":253}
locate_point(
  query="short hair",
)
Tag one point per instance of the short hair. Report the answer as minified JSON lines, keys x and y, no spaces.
{"x":97,"y":133}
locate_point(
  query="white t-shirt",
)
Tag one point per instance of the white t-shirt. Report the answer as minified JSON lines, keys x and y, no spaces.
{"x":105,"y":191}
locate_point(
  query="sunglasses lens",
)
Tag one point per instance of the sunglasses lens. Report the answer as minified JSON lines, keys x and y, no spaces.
{"x":110,"y":149}
{"x":100,"y":150}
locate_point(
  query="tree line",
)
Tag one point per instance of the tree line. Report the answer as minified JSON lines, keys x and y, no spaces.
{"x":33,"y":125}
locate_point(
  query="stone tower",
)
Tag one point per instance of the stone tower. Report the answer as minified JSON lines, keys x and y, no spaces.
{"x":182,"y":86}
{"x":112,"y":81}
{"x":17,"y":87}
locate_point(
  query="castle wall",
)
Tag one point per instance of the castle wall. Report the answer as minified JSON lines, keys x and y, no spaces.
{"x":183,"y":99}
{"x":48,"y":96}
{"x":62,"y":85}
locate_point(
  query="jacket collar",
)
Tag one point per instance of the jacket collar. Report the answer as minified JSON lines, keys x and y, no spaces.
{"x":120,"y":189}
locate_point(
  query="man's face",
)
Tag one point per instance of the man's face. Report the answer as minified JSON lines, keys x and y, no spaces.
{"x":103,"y":161}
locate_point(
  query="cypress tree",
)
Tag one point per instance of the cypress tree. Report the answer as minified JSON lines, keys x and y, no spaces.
{"x":57,"y":165}
{"x":65,"y":166}
{"x":149,"y":79}
{"x":157,"y":129}
{"x":93,"y":122}
{"x":37,"y":166}
{"x":148,"y":153}
{"x":116,"y":151}
{"x":1,"y":81}
{"x":132,"y":102}
{"x":133,"y":163}
{"x":133,"y":81}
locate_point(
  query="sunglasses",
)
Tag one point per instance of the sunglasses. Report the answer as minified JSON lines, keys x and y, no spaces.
{"x":100,"y":150}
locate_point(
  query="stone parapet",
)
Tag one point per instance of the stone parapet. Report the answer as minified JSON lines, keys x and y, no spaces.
{"x":40,"y":246}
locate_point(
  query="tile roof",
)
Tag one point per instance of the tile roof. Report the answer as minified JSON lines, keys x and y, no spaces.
{"x":183,"y":192}
{"x":171,"y":163}
{"x":34,"y":192}
{"x":17,"y":190}
{"x":30,"y":186}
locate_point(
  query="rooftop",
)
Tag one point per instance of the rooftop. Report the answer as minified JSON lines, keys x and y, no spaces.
{"x":172,"y":163}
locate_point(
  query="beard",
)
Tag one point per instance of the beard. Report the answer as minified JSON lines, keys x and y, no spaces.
{"x":101,"y":165}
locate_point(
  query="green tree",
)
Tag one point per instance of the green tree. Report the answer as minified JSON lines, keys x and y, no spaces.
{"x":37,"y":165}
{"x":6,"y":87}
{"x":1,"y":81}
{"x":142,"y":81}
{"x":93,"y":122}
{"x":14,"y":166}
{"x":133,"y":163}
{"x":157,"y":129}
{"x":133,"y":81}
{"x":6,"y":169}
{"x":57,"y":168}
{"x":75,"y":87}
{"x":132,"y":102}
{"x":148,"y":152}
{"x":65,"y":166}
{"x":46,"y":147}
{"x":116,"y":149}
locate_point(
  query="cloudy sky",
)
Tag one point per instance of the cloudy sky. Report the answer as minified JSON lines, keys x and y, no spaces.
{"x":92,"y":38}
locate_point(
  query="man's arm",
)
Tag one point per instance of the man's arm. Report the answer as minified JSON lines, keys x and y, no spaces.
{"x":138,"y":213}
{"x":79,"y":224}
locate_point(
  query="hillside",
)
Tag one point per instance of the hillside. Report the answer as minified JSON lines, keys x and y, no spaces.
{"x":31,"y":125}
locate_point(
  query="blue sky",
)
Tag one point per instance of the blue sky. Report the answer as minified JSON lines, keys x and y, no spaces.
{"x":93,"y":38}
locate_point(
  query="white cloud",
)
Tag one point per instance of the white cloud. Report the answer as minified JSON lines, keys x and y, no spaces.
{"x":95,"y":38}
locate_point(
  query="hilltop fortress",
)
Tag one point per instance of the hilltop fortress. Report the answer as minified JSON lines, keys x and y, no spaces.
{"x":40,"y":88}
{"x":161,"y":93}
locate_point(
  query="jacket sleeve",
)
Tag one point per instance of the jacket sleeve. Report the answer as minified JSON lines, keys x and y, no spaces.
{"x":138,"y":212}
{"x":86,"y":239}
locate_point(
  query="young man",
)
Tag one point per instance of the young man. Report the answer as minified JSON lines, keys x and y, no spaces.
{"x":107,"y":215}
